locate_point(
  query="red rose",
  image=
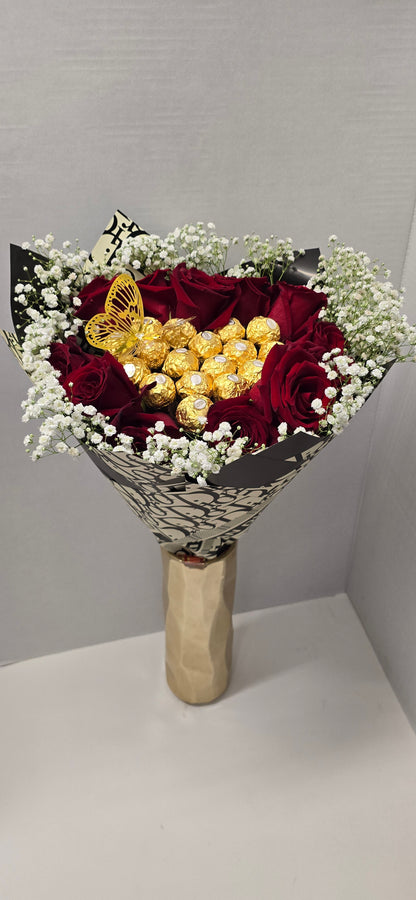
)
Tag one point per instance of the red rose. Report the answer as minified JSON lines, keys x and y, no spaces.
{"x":67,"y":356}
{"x":290,"y":380}
{"x":241,"y":411}
{"x":93,"y":297}
{"x":103,"y":383}
{"x":208,"y":300}
{"x":320,"y":337}
{"x":133,"y":421}
{"x":158,"y":295}
{"x":255,"y":296}
{"x":292,"y":308}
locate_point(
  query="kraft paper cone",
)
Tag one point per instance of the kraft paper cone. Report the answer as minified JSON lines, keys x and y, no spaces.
{"x":198,"y":605}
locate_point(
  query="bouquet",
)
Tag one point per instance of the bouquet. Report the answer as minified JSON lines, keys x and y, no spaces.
{"x":199,"y":390}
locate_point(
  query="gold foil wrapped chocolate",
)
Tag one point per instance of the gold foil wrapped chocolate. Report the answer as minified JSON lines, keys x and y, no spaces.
{"x":153,"y":352}
{"x":206,"y":344}
{"x":135,"y":368}
{"x":191,"y":412}
{"x":180,"y":361}
{"x":218,"y":365}
{"x":227,"y":386}
{"x":261,"y":329}
{"x":152,"y":328}
{"x":178,"y":332}
{"x":250,"y":371}
{"x":193,"y":383}
{"x":265,"y":348}
{"x":233,"y":331}
{"x":240,"y":351}
{"x":163,"y":391}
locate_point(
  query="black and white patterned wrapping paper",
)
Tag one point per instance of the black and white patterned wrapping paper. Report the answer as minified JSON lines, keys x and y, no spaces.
{"x":197,"y":520}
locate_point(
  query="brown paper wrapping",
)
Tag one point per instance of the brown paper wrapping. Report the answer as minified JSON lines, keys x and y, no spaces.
{"x":198,"y":605}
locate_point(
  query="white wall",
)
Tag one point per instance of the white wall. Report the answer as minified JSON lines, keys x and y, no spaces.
{"x":382,"y":580}
{"x":291,"y":118}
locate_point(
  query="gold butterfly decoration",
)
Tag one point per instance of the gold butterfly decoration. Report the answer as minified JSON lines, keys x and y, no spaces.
{"x":119,"y":327}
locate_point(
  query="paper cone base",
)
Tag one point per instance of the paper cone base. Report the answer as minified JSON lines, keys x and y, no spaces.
{"x":198,"y":605}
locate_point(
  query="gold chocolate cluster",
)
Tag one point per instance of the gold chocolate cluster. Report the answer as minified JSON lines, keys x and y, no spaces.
{"x":192,"y":369}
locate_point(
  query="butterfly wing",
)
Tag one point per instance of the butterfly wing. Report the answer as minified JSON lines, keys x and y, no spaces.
{"x":118,"y":328}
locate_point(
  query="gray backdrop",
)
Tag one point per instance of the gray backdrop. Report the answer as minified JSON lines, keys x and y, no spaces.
{"x":382,"y":577}
{"x":291,"y":118}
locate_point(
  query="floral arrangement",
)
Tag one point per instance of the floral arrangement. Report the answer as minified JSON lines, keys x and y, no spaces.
{"x":265,"y":359}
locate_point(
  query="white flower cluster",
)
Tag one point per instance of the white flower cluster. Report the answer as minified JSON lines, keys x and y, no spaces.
{"x":64,"y":424}
{"x":191,"y":244}
{"x":195,"y":457}
{"x":63,"y":273}
{"x":367,"y":311}
{"x":358,"y":382}
{"x":263,"y":255}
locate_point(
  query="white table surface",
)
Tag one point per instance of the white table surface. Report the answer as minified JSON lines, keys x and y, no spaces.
{"x":299,"y":784}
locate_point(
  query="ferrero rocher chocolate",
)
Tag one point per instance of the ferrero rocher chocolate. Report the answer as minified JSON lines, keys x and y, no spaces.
{"x":180,"y":361}
{"x":153,"y":352}
{"x":227,"y":386}
{"x":191,"y":412}
{"x":206,"y":344}
{"x":265,"y":348}
{"x":218,"y":365}
{"x":152,"y":328}
{"x":178,"y":332}
{"x":163,"y":391}
{"x":240,"y":351}
{"x":194,"y":383}
{"x":232,"y":332}
{"x":135,"y":368}
{"x":261,"y":329}
{"x":250,"y":371}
